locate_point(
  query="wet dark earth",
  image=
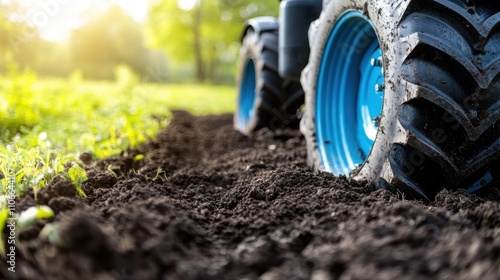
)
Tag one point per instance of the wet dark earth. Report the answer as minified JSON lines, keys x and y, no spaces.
{"x":206,"y":202}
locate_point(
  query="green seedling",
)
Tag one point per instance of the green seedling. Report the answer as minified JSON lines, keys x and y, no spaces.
{"x":139,"y":157}
{"x":78,"y":175}
{"x":51,"y":232}
{"x":23,"y":221}
{"x":32,"y":215}
{"x":111,"y":169}
{"x":4,"y":215}
{"x":160,"y":173}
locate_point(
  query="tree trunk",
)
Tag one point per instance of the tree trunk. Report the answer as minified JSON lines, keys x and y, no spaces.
{"x":198,"y":55}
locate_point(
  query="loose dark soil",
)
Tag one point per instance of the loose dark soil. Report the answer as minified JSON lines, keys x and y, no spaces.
{"x":209,"y":203}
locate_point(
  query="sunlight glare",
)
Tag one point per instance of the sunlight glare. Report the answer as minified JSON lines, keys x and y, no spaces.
{"x":137,"y":9}
{"x":187,"y":4}
{"x":56,"y":19}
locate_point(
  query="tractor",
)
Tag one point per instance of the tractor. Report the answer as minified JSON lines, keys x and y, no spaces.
{"x":402,"y":94}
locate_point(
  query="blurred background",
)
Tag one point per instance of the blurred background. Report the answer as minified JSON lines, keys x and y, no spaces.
{"x":97,"y":77}
{"x":159,"y":41}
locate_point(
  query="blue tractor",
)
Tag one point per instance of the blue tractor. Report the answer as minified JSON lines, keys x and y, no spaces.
{"x":403,"y":94}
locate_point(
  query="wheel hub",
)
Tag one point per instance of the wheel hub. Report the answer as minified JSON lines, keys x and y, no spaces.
{"x":350,"y":92}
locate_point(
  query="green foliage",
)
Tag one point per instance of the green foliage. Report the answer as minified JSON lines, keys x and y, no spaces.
{"x":16,"y":112}
{"x":30,"y":168}
{"x":44,"y":124}
{"x":201,"y":44}
{"x":33,"y":214}
{"x":106,"y":39}
{"x":77,"y":176}
{"x":4,"y":215}
{"x":21,"y":43}
{"x":23,"y":221}
{"x":109,"y":39}
{"x":206,"y":35}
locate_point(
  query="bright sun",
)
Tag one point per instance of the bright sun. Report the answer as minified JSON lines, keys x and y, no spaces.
{"x":55,"y":19}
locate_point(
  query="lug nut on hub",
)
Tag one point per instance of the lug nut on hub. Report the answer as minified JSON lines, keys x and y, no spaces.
{"x":379,"y":87}
{"x":377,"y":62}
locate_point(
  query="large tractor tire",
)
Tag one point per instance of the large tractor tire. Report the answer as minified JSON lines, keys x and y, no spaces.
{"x":264,"y":99}
{"x":406,"y":94}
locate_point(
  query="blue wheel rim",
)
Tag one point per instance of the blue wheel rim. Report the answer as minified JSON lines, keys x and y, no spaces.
{"x":246,"y":98}
{"x":349,"y":95}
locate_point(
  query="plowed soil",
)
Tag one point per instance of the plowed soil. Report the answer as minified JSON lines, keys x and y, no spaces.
{"x":206,"y":202}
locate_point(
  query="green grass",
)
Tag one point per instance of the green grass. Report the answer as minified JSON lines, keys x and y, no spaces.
{"x":47,"y":123}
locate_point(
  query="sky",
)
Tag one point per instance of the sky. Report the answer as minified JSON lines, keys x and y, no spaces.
{"x":56,"y":18}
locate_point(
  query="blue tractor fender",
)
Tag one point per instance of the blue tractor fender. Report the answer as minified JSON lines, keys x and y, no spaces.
{"x":259,"y":25}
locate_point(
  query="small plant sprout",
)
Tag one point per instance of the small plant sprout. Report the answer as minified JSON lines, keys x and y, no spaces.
{"x":51,"y":232}
{"x":111,"y":169}
{"x":4,"y":214}
{"x":78,"y":175}
{"x":139,"y":157}
{"x":160,"y":173}
{"x":23,"y":221}
{"x":33,"y":214}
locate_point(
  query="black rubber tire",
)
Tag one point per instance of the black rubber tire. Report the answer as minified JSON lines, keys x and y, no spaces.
{"x":276,"y":101}
{"x":440,"y":126}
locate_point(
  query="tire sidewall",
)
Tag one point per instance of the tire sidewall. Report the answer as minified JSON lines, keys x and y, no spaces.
{"x":250,"y":49}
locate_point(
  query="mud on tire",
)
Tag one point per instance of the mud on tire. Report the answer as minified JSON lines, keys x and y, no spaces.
{"x":440,"y":123}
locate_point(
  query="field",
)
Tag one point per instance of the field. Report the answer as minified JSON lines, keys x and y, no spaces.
{"x":45,"y":124}
{"x":226,"y":206}
{"x":199,"y":200}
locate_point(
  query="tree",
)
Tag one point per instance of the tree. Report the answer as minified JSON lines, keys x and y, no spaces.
{"x":206,"y":34}
{"x":109,"y":39}
{"x":18,"y":41}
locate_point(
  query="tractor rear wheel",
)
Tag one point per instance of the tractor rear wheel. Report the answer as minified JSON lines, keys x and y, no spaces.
{"x":406,"y":94}
{"x":264,"y":99}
